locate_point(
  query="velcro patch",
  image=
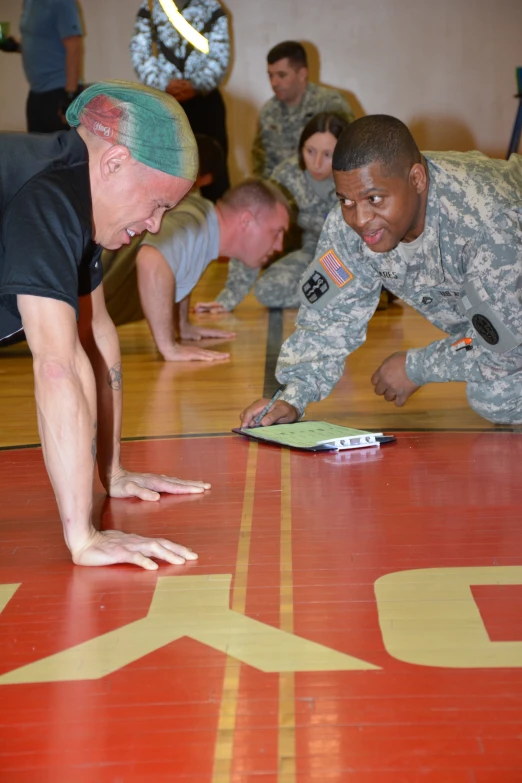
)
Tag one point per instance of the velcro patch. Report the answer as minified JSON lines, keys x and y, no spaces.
{"x":485,"y":328}
{"x":315,"y":287}
{"x":335,"y":269}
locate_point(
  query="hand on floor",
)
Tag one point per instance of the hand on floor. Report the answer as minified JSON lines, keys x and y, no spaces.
{"x":191,"y":332}
{"x":107,"y":547}
{"x":148,"y":486}
{"x":189,"y":353}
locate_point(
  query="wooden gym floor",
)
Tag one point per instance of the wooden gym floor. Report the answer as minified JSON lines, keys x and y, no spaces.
{"x":352,"y":617}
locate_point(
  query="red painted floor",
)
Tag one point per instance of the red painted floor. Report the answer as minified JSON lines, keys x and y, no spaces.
{"x":431,"y":500}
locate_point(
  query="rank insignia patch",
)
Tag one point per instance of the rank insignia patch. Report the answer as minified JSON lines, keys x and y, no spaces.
{"x":335,"y":269}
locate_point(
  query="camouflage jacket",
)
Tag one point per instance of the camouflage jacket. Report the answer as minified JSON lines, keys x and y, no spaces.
{"x":280,"y":126}
{"x":311,"y":209}
{"x":466,"y":278}
{"x":177,"y":59}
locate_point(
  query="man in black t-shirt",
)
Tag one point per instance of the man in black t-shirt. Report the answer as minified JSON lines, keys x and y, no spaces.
{"x":62,"y":198}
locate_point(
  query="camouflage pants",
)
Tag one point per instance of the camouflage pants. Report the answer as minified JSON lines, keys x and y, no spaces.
{"x":279,"y":285}
{"x":499,"y":401}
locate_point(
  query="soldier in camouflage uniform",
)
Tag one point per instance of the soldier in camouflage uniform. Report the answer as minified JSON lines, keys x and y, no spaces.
{"x":444,"y":234}
{"x":162,"y":58}
{"x":307,"y":181}
{"x":295,"y":102}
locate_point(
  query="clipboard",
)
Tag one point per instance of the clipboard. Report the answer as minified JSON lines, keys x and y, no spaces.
{"x":315,"y":436}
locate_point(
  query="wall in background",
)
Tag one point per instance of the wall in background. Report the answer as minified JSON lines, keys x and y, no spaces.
{"x":446,"y":68}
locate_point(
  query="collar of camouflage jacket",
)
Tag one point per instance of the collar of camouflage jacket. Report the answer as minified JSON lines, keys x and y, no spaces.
{"x":324,"y":189}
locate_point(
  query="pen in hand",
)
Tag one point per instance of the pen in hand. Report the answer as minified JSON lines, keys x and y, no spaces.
{"x":267,"y":407}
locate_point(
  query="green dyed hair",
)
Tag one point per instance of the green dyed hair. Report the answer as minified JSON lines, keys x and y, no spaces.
{"x":150,"y":123}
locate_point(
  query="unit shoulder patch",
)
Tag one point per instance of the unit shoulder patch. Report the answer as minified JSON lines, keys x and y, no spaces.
{"x":485,"y":329}
{"x":315,"y":287}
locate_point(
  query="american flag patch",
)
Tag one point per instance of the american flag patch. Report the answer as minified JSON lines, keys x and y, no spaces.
{"x":336,"y":269}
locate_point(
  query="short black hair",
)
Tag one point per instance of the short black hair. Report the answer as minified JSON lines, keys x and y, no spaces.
{"x":324,"y":122}
{"x":291,"y":49}
{"x":211,"y":156}
{"x":377,"y":138}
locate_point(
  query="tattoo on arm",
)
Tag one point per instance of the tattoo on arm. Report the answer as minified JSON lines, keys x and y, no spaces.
{"x":114,"y":377}
{"x":93,"y":444}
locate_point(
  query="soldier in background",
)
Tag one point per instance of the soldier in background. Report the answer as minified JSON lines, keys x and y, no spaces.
{"x":306,"y":180}
{"x":153,"y":277}
{"x":164,"y":59}
{"x":295,"y":102}
{"x":444,"y":232}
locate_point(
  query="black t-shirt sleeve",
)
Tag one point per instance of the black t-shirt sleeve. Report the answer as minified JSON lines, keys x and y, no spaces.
{"x":47,"y":250}
{"x":90,"y":271}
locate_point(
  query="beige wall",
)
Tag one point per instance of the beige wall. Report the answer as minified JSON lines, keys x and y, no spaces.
{"x":445,"y":67}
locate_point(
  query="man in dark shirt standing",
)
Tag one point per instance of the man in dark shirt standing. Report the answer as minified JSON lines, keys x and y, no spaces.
{"x":62,"y":198}
{"x":52,"y":53}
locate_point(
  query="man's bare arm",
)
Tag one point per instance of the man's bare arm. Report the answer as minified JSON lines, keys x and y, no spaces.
{"x":66,"y":407}
{"x":65,"y":389}
{"x":99,"y":339}
{"x":157,"y":289}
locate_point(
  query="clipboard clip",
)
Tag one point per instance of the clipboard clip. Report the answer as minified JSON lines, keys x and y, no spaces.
{"x":352,"y":442}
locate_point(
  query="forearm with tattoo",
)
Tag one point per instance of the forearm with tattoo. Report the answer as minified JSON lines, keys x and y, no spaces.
{"x":93,"y":444}
{"x":114,"y":377}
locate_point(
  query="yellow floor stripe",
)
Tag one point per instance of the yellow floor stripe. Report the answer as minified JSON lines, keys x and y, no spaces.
{"x":224,"y":750}
{"x":6,"y":593}
{"x":286,"y":744}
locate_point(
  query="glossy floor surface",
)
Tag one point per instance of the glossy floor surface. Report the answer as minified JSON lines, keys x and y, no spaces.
{"x":352,"y":617}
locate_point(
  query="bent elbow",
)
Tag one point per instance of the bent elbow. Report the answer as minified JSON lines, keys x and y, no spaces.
{"x":52,"y":370}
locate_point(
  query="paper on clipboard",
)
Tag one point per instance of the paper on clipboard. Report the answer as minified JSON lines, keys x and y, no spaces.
{"x":315,"y":436}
